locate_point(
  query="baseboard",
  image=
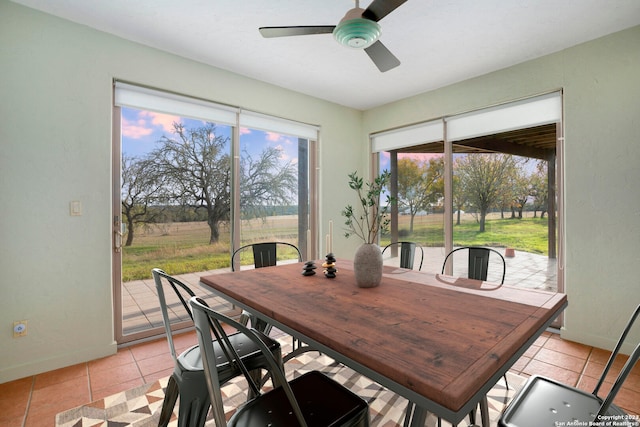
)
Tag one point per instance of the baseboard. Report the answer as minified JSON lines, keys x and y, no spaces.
{"x":59,"y":361}
{"x":598,"y":341}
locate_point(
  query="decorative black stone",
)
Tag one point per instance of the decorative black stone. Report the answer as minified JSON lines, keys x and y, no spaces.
{"x":309,"y":268}
{"x":330,"y":266}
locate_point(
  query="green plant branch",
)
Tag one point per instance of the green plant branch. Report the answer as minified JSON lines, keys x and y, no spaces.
{"x":373,"y":219}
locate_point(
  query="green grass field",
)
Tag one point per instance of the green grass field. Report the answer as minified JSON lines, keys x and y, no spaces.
{"x":180,"y":248}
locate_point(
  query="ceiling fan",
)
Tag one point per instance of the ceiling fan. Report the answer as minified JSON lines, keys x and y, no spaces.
{"x":359,"y":29}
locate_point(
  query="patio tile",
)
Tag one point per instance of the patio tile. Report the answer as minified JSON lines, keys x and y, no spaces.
{"x":116,"y":375}
{"x":561,"y":360}
{"x":537,"y":367}
{"x":122,"y":357}
{"x":568,"y":347}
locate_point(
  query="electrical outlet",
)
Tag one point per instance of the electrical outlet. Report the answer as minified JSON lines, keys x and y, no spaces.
{"x":19,"y":328}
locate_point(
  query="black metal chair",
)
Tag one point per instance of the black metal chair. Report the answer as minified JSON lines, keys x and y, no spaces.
{"x":407,"y":253}
{"x":545,"y":402}
{"x":188,"y":377}
{"x":478,"y":261}
{"x":312,"y":399}
{"x":478,"y":269}
{"x":265,"y":254}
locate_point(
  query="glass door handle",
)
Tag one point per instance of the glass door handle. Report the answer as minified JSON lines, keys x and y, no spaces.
{"x":117,"y":240}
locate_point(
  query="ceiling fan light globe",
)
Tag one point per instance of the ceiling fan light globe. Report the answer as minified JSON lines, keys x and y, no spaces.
{"x":357,"y":33}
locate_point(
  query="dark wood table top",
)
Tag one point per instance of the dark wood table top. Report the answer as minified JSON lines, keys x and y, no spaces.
{"x":429,"y":336}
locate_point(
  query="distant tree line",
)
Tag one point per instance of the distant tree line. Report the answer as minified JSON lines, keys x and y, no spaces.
{"x":482,"y":183}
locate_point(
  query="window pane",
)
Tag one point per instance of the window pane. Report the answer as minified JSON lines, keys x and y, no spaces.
{"x":499,"y":201}
{"x":175,"y":205}
{"x":274,"y":190}
{"x":420,"y":203}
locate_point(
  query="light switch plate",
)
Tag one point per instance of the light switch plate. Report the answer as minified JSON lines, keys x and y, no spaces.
{"x":75,"y":208}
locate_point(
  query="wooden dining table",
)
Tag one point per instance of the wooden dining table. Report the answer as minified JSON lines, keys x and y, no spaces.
{"x":441,"y":342}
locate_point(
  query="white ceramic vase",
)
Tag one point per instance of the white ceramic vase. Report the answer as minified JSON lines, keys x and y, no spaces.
{"x":367,"y":265}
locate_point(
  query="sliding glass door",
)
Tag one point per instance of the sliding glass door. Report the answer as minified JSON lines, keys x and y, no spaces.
{"x":498,"y":186}
{"x":192,"y":181}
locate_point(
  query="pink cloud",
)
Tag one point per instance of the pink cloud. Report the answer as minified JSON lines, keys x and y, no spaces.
{"x":159,"y":119}
{"x":419,"y":156}
{"x":245,"y":131}
{"x":273,"y":136}
{"x":135,"y":130}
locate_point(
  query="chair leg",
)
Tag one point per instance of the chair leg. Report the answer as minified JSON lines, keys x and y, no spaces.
{"x":194,"y":400}
{"x":407,"y":414}
{"x":193,"y":413}
{"x":169,"y":402}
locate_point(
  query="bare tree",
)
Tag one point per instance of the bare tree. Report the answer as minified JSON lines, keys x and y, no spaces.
{"x":141,"y":187}
{"x":459,"y":196}
{"x":197,"y":166}
{"x":265,"y":181}
{"x":540,"y":189}
{"x":520,"y":186}
{"x":481,"y":176}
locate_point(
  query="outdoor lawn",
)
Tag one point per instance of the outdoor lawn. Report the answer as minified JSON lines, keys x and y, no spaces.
{"x":184,"y":247}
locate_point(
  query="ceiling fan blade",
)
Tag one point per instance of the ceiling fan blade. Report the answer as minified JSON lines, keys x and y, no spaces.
{"x":382,"y":57}
{"x":378,"y":9}
{"x":269,"y":32}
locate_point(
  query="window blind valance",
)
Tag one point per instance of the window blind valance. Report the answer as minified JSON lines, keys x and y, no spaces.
{"x":142,"y":98}
{"x":530,"y":112}
{"x":268,"y":123}
{"x":421,"y":133}
{"x":127,"y":95}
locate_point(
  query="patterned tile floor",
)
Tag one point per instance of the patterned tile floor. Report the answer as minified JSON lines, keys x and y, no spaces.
{"x":141,"y":406}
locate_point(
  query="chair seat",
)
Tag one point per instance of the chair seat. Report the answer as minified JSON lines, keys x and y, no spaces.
{"x":191,"y":358}
{"x":324,"y":403}
{"x":545,"y":402}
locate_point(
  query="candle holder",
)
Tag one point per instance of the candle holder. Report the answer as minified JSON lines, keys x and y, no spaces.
{"x":330,"y":266}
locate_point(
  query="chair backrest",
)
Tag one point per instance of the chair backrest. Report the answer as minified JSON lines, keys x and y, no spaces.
{"x":478,"y":261}
{"x":210,"y":322}
{"x":264,"y":254}
{"x":183,"y":293}
{"x":622,"y":376}
{"x":407,"y":253}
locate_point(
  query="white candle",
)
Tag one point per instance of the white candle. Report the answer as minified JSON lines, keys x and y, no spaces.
{"x":308,"y":244}
{"x":326,"y":243}
{"x":330,"y":236}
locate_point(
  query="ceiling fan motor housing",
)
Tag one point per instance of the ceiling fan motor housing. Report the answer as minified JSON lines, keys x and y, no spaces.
{"x":356,"y":32}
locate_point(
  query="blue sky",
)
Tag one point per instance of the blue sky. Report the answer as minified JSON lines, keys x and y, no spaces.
{"x":141,"y":130}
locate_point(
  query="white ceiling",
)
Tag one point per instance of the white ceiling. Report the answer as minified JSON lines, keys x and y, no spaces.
{"x":439,"y":42}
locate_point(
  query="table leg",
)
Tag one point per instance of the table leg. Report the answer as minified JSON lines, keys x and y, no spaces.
{"x":484,"y":412}
{"x":418,"y":416}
